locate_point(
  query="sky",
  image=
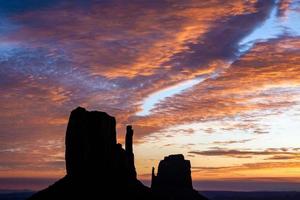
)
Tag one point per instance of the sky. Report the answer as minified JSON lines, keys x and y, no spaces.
{"x":217,"y":81}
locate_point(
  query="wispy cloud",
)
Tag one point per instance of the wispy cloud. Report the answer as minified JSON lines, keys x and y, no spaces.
{"x":274,"y":153}
{"x":253,"y":166}
{"x":232,"y":141}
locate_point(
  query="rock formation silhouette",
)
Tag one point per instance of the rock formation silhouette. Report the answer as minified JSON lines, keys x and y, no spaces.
{"x":173,"y":179}
{"x":99,"y":168}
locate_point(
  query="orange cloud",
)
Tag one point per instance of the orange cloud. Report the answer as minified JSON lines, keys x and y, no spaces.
{"x":128,"y":43}
{"x":248,"y":85}
{"x":281,"y":170}
{"x":284,"y":7}
{"x":274,"y":153}
{"x":232,"y":142}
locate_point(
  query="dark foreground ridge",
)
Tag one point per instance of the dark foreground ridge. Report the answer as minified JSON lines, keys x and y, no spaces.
{"x":99,"y":168}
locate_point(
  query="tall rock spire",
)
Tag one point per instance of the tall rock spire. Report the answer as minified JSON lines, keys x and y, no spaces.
{"x":129,"y":150}
{"x":153,"y":178}
{"x":129,"y":136}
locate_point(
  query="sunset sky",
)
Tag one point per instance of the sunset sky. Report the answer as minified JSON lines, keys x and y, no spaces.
{"x":215,"y":80}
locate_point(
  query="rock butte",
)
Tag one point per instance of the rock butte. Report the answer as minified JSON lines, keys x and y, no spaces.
{"x":99,"y":168}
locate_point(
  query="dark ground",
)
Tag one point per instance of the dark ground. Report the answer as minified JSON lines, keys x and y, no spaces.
{"x":222,"y":195}
{"x":212,"y":195}
{"x":14,"y":195}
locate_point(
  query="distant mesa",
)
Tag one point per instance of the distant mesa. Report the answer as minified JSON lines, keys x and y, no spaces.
{"x":174,"y":180}
{"x":173,"y":172}
{"x":99,"y":168}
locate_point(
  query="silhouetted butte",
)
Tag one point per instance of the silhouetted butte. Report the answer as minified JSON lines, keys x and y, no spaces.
{"x":174,"y":180}
{"x":97,"y":167}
